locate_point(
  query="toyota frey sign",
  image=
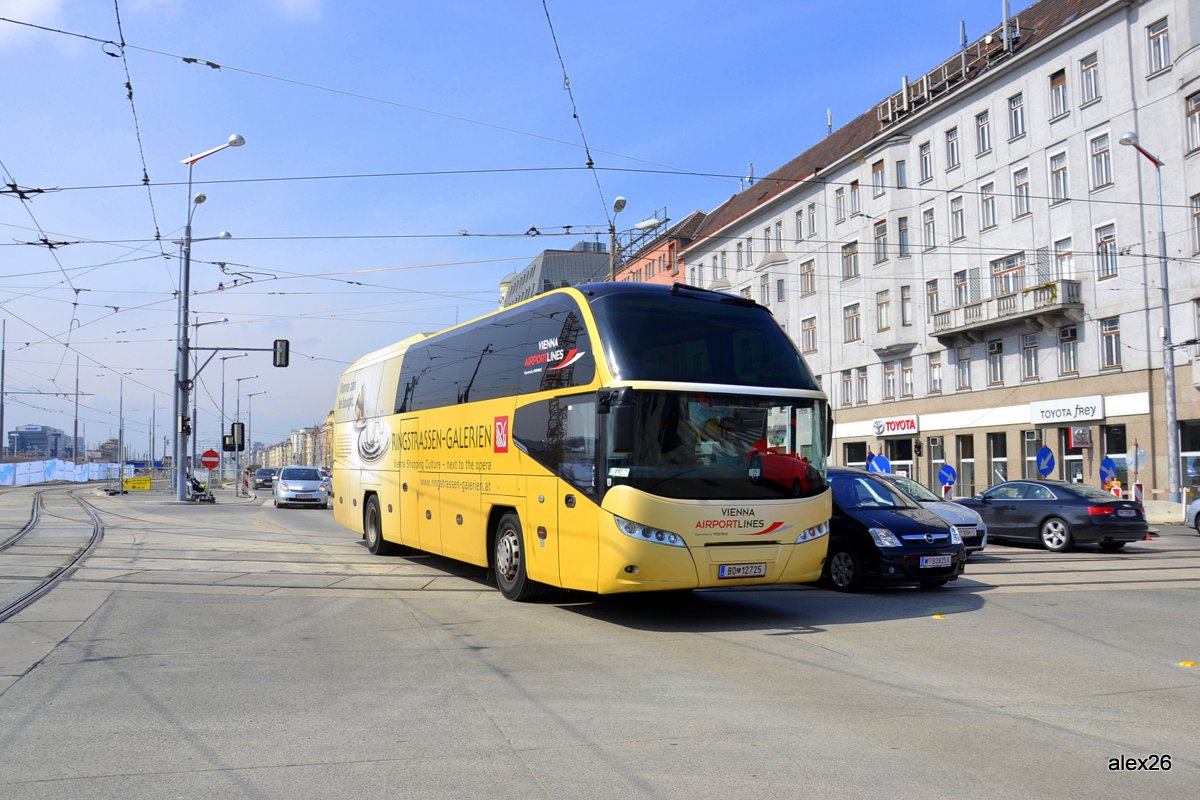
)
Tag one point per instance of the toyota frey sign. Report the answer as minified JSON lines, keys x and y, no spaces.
{"x":1067,"y":410}
{"x":896,"y":426}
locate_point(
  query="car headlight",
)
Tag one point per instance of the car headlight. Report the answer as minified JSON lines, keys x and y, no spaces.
{"x":283,"y":487}
{"x":955,"y":536}
{"x":321,"y":488}
{"x":644,"y":533}
{"x":884,"y":538}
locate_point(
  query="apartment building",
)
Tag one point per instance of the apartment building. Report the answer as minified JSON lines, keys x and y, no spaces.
{"x":973,"y":266}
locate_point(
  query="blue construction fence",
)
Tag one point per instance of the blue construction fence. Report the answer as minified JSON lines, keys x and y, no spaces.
{"x":27,"y":473}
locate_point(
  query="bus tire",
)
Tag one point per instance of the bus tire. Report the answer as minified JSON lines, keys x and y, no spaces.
{"x":373,"y":529}
{"x":508,"y":560}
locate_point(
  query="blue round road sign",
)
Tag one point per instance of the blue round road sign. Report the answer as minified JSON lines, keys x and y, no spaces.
{"x":947,"y":475}
{"x":1108,"y":471}
{"x":1045,"y":461}
{"x":879,"y":464}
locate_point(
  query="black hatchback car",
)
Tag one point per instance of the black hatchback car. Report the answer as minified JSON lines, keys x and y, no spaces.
{"x":1059,"y":514}
{"x":879,"y":534}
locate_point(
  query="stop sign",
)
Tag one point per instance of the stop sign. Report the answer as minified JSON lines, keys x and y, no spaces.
{"x":210,"y":459}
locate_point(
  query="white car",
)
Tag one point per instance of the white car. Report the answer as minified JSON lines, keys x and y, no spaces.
{"x":301,"y":486}
{"x":1193,"y":515}
{"x":970,"y":525}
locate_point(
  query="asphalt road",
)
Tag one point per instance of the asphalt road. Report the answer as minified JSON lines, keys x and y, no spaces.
{"x":238,"y":650}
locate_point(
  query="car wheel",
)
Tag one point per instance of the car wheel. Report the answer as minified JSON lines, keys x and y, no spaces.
{"x":324,"y":506}
{"x":276,"y":503}
{"x":373,"y":530}
{"x":1056,"y":535}
{"x":508,"y":560}
{"x":845,"y":570}
{"x":1111,"y":546}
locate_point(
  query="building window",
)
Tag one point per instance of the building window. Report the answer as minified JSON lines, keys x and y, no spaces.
{"x":1064,"y":260}
{"x":987,"y":206}
{"x":935,"y":373}
{"x":799,"y":225}
{"x":839,"y":205}
{"x":1016,"y":116}
{"x":855,"y":202}
{"x":906,"y":306}
{"x":889,"y":380}
{"x":850,"y":261}
{"x":778,"y":235}
{"x":1159,"y":41}
{"x":808,"y":335}
{"x":779,"y":291}
{"x":902,"y":236}
{"x":877,"y":178}
{"x":952,"y":158}
{"x":1101,"y":162}
{"x":812,"y":220}
{"x":716,"y":269}
{"x":1193,"y":122}
{"x":1021,"y":205}
{"x":1059,"y":105}
{"x":692,"y":280}
{"x":906,"y":378}
{"x":808,"y":278}
{"x":1059,"y":189}
{"x":983,"y":132}
{"x":861,"y":380}
{"x":926,"y":153}
{"x":852,"y":323}
{"x":961,"y":293}
{"x":931,"y":298}
{"x":766,"y":240}
{"x":958,"y":222}
{"x":1008,"y":275}
{"x":724,"y":264}
{"x":901,"y":175}
{"x":928,"y":229}
{"x":1106,"y":251}
{"x":1089,"y":79}
{"x":997,"y":444}
{"x":963,"y":358}
{"x":995,"y":361}
{"x":883,"y":312}
{"x":1110,"y":343}
{"x":740,"y":263}
{"x":764,"y":290}
{"x":880,"y":242}
{"x":746,"y":293}
{"x":1029,"y":357}
{"x":847,"y":388}
{"x":1068,"y":350}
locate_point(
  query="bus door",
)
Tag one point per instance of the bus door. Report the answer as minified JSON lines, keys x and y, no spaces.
{"x":410,"y":486}
{"x":578,"y":512}
{"x":540,"y":527}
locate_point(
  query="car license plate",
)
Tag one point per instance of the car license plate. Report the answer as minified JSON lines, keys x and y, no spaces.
{"x":742,"y":571}
{"x":1126,"y":512}
{"x":302,"y":496}
{"x":935,"y":561}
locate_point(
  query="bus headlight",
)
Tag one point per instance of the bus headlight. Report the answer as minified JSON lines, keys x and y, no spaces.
{"x":644,"y":533}
{"x":815,"y":532}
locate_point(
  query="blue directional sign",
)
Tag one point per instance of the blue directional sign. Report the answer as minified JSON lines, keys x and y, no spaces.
{"x":1045,"y":461}
{"x":947,"y":475}
{"x":879,"y":464}
{"x":1108,"y":471}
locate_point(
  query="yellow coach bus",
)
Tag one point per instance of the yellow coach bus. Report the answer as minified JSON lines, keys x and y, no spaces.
{"x":612,"y":437}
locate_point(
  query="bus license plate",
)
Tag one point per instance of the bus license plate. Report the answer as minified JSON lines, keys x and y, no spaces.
{"x":935,"y":561}
{"x":742,"y":571}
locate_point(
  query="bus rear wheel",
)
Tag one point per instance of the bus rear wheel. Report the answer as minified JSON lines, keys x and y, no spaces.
{"x":373,"y":530}
{"x":508,"y":560}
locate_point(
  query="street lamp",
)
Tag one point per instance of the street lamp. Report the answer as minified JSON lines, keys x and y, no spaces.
{"x":618,"y":207}
{"x":1130,"y":139}
{"x":250,"y":420}
{"x":196,"y":326}
{"x":222,"y":437}
{"x":237,"y":454}
{"x":182,"y":381}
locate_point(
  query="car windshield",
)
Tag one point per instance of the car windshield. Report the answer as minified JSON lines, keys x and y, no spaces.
{"x":264,"y":473}
{"x":301,"y":475}
{"x":916,"y":491}
{"x":863,"y":491}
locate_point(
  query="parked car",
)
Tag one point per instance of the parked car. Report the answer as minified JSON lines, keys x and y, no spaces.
{"x":1193,"y":515}
{"x":1059,"y":514}
{"x":301,"y":486}
{"x":265,"y":477}
{"x":879,"y":534}
{"x":971,"y":526}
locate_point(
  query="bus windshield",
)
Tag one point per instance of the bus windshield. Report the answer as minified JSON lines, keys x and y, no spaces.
{"x":705,"y":446}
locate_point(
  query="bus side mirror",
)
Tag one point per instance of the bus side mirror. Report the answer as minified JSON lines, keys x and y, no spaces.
{"x":622,"y":428}
{"x":828,"y":430}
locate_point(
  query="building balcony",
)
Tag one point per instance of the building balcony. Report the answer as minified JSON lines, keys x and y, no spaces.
{"x":896,"y":341}
{"x":1047,"y":306}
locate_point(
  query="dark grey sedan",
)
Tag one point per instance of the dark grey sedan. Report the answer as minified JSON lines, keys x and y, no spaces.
{"x":1059,"y":514}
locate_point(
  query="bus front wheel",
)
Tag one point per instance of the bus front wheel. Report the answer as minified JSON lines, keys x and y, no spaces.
{"x":508,"y":560}
{"x":373,"y":530}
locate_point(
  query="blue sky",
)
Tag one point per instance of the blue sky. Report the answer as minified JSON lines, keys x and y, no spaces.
{"x":342,"y":244}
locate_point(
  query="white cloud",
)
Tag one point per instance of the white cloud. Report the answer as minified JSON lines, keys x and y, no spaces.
{"x":299,"y":9}
{"x":39,"y":12}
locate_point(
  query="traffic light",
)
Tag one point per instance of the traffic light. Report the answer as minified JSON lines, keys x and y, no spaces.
{"x":917,"y":447}
{"x":238,"y":435}
{"x":280,"y":356}
{"x":227,"y":443}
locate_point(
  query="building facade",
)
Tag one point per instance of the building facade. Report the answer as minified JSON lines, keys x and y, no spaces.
{"x":655,"y":258}
{"x":972,"y":267}
{"x":583,"y":263}
{"x":40,"y":440}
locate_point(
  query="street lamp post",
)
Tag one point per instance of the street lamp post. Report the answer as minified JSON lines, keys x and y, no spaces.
{"x":237,"y":454}
{"x":1130,"y":139}
{"x":222,"y":437}
{"x":618,"y":207}
{"x":250,"y":419}
{"x":182,"y":387}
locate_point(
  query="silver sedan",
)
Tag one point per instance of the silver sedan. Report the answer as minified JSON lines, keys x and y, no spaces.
{"x":301,"y":486}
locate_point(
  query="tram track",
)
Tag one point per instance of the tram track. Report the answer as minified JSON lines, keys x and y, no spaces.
{"x":62,"y":571}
